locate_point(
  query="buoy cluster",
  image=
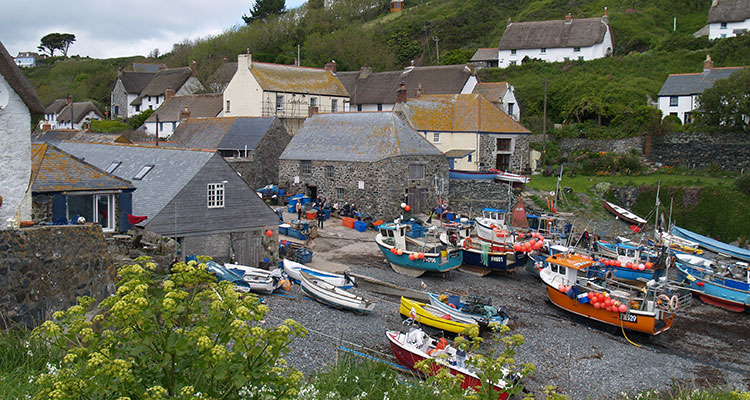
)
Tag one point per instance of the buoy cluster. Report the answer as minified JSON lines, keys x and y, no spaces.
{"x":412,"y":256}
{"x":603,"y":301}
{"x":535,"y":243}
{"x":628,"y":265}
{"x":406,"y":207}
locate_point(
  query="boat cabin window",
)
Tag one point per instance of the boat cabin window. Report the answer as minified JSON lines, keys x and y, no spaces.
{"x":631,"y":252}
{"x":621,"y":251}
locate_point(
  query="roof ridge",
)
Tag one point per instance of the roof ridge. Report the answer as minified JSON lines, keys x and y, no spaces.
{"x":290,"y":66}
{"x":135,"y":145}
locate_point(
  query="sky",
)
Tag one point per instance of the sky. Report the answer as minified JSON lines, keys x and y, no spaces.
{"x":107,"y":29}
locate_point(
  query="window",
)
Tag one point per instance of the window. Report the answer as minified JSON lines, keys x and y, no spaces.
{"x":334,"y":105}
{"x":149,"y":99}
{"x":576,"y":49}
{"x":544,"y":51}
{"x":145,"y":170}
{"x":513,"y":62}
{"x":150,"y":107}
{"x":99,"y":209}
{"x":117,"y":110}
{"x":305,"y":166}
{"x":513,"y":52}
{"x":161,"y":126}
{"x":340,"y":194}
{"x":435,"y":137}
{"x":215,"y":195}
{"x":359,"y":107}
{"x":503,"y":144}
{"x":688,"y":117}
{"x":138,"y":108}
{"x":673,"y":113}
{"x":279,"y":102}
{"x":510,"y":108}
{"x":469,"y":159}
{"x":227,"y":109}
{"x":502,"y":162}
{"x":673,"y":101}
{"x":723,"y":35}
{"x":174,"y":125}
{"x":313,"y":101}
{"x":112,"y":167}
{"x":329,"y":171}
{"x":380,"y":107}
{"x":580,"y":58}
{"x":157,"y":99}
{"x":723,"y":25}
{"x":416,"y":171}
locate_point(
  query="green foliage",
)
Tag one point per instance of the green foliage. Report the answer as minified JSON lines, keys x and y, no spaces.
{"x":109,"y":126}
{"x":405,"y":47}
{"x":726,"y":104}
{"x":20,"y":361}
{"x":137,"y":120}
{"x":186,"y":337}
{"x":458,"y":56}
{"x":742,"y":184}
{"x":56,"y":41}
{"x":262,"y":9}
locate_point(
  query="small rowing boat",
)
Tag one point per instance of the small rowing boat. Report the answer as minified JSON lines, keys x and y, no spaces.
{"x":473,"y":307}
{"x":328,"y":294}
{"x":430,"y":315}
{"x":293,"y":270}
{"x":623,"y":214}
{"x":260,"y":280}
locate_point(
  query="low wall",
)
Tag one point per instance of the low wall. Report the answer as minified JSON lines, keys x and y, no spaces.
{"x":619,"y":146}
{"x":727,"y":150}
{"x":44,"y":269}
{"x":469,"y":197}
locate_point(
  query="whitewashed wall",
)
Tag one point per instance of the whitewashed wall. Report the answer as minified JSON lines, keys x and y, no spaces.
{"x":715,"y":31}
{"x":684,"y":104}
{"x":598,"y":50}
{"x":15,"y":159}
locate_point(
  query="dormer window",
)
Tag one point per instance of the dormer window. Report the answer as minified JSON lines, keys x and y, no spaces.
{"x":513,"y":52}
{"x":576,"y":49}
{"x":723,"y":25}
{"x":145,"y":170}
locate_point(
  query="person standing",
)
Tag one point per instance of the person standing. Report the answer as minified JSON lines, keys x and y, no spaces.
{"x":321,"y":217}
{"x":298,"y":207}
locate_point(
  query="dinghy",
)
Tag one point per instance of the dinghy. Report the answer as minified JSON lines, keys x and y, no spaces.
{"x":722,"y":285}
{"x":333,"y":296}
{"x":471,"y":308}
{"x":293,"y":270}
{"x":260,"y":280}
{"x":430,"y":315}
{"x":623,"y":214}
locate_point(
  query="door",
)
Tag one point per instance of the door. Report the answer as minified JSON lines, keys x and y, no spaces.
{"x":312,"y":191}
{"x":417,"y":199}
{"x":247,"y":247}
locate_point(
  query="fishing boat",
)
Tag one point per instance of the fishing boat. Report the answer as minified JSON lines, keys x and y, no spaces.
{"x":555,"y":228}
{"x":630,"y":261}
{"x":472,"y":307}
{"x":642,"y":307}
{"x":413,"y":257}
{"x":328,"y":294}
{"x":430,"y":315}
{"x":491,"y":224}
{"x":260,"y":280}
{"x":712,"y":244}
{"x":293,"y":270}
{"x":722,"y":285}
{"x":222,"y":274}
{"x":416,"y":345}
{"x":481,"y":257}
{"x":623,"y":214}
{"x":538,"y":261}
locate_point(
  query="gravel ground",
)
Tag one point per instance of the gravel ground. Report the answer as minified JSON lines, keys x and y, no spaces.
{"x":586,"y":360}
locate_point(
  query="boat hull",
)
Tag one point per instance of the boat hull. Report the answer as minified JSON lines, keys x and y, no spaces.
{"x":292,"y":269}
{"x":426,"y":318}
{"x":624,"y":214}
{"x":715,"y":291}
{"x":433,"y":262}
{"x":634,"y":321}
{"x":712,"y":244}
{"x":496,"y":261}
{"x":333,"y":296}
{"x":632,"y":274}
{"x":497,"y":319}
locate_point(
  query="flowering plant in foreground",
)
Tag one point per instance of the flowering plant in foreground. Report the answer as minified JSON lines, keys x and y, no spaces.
{"x":183,"y":337}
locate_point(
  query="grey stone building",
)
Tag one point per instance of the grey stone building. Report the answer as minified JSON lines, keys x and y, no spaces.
{"x":373,"y":159}
{"x":251,"y":145}
{"x":127,"y":86}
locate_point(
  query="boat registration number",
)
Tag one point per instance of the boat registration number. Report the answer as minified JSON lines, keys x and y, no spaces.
{"x":454,"y":255}
{"x":431,"y":260}
{"x":497,"y":259}
{"x":629,"y":318}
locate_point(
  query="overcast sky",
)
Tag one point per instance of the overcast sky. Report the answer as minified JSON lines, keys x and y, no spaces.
{"x":106,"y":29}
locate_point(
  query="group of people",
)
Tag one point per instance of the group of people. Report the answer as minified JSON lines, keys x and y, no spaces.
{"x":321,"y":204}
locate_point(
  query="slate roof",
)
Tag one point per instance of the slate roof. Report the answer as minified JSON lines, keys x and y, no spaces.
{"x":381,"y":87}
{"x":173,"y":169}
{"x":492,"y":91}
{"x":15,"y":78}
{"x":53,"y":170}
{"x":79,"y":110}
{"x":459,"y":113}
{"x":172,"y":78}
{"x":233,"y":133}
{"x":583,"y":32}
{"x":688,"y":84}
{"x":56,"y":106}
{"x":223,"y":74}
{"x":356,"y":137}
{"x":78,"y":136}
{"x":135,"y":82}
{"x":728,"y":11}
{"x":485,"y":54}
{"x":293,"y":79}
{"x":199,"y":105}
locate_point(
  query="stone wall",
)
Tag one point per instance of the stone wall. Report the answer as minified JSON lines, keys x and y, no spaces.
{"x":45,"y":269}
{"x":619,"y":146}
{"x":469,"y":197}
{"x":263,"y":167}
{"x":519,"y":160}
{"x":728,"y":150}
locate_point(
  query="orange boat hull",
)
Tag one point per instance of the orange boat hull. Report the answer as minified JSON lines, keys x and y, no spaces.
{"x":635,"y":322}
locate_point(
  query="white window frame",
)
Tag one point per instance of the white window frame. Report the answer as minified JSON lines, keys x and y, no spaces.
{"x":543,"y":50}
{"x":313,"y":101}
{"x":576,"y":49}
{"x":110,"y":227}
{"x":330,"y":171}
{"x":723,"y":25}
{"x":435,"y":137}
{"x":334,"y":105}
{"x":305,"y":167}
{"x":228,"y":108}
{"x":513,"y":52}
{"x":280,"y":102}
{"x":340,"y":194}
{"x":112,"y":167}
{"x":143,"y":172}
{"x":215,"y":195}
{"x":674,"y":101}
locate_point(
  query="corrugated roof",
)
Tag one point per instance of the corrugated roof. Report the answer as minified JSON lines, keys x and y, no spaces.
{"x":728,"y":11}
{"x":172,"y":78}
{"x":687,"y":84}
{"x":78,"y":136}
{"x":199,"y":105}
{"x":135,"y":81}
{"x":230,"y":133}
{"x":459,"y":113}
{"x":356,"y":137}
{"x":492,"y":91}
{"x":10,"y":71}
{"x":173,"y":169}
{"x":290,"y":78}
{"x":583,"y":32}
{"x":486,"y":54}
{"x":381,"y":87}
{"x":53,"y":170}
{"x":56,"y":106}
{"x":79,"y":110}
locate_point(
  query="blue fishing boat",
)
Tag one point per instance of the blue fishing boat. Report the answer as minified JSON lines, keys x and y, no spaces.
{"x":413,"y":257}
{"x":711,"y":244}
{"x":722,"y":285}
{"x":629,"y":261}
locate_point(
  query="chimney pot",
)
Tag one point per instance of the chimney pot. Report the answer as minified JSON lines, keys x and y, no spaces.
{"x":401,"y":93}
{"x":46,"y":127}
{"x":185,"y":114}
{"x":509,"y":23}
{"x":419,"y":91}
{"x":312,"y":110}
{"x":68,"y":100}
{"x":708,"y":64}
{"x":365,"y":72}
{"x":168,"y":94}
{"x":331,"y":66}
{"x":569,"y":18}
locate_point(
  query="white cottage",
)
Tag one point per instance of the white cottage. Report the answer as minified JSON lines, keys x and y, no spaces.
{"x":556,"y":40}
{"x":17,"y":102}
{"x":728,"y":18}
{"x":502,"y":95}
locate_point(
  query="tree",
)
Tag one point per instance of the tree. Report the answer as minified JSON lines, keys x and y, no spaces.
{"x":66,"y":39}
{"x":265,"y":8}
{"x":727,"y":103}
{"x":56,"y":41}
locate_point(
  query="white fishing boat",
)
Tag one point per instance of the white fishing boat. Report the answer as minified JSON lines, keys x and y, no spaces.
{"x":260,"y":280}
{"x":333,"y":296}
{"x":624,"y":214}
{"x":293,"y":269}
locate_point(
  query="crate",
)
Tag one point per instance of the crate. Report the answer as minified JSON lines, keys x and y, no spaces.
{"x":284,"y":229}
{"x":304,"y":200}
{"x":348,"y":222}
{"x":377,"y":223}
{"x":304,"y":256}
{"x":311,"y":214}
{"x":360,"y":226}
{"x":297,"y":234}
{"x":291,"y":208}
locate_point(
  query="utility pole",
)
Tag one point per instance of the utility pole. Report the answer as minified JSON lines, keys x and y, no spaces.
{"x":157,"y":130}
{"x":437,"y":49}
{"x":544,"y":126}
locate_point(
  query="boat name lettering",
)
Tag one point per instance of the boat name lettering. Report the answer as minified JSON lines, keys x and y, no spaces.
{"x":629,"y":318}
{"x":496,"y":259}
{"x":432,"y":260}
{"x":454,"y":255}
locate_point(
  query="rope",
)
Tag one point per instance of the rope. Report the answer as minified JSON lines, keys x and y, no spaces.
{"x":485,"y":254}
{"x":626,"y":336}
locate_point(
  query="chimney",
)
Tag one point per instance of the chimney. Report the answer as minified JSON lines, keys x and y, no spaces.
{"x":364,"y":72}
{"x":708,"y":64}
{"x":410,"y":67}
{"x":119,"y":70}
{"x":331,"y":66}
{"x":418,"y":92}
{"x":68,"y":100}
{"x":168,"y":94}
{"x":312,"y":110}
{"x":185,"y":114}
{"x":605,"y":17}
{"x":46,"y":127}
{"x":194,"y":67}
{"x":244,"y":61}
{"x":225,"y":59}
{"x":401,"y":93}
{"x":569,"y":18}
{"x":509,"y":23}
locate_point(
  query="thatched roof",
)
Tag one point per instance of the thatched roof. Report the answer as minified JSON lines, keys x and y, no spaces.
{"x":294,"y":79}
{"x":199,"y":105}
{"x":10,"y":71}
{"x":78,"y":110}
{"x":172,"y":78}
{"x":485,"y":54}
{"x":583,"y":32}
{"x":728,"y":11}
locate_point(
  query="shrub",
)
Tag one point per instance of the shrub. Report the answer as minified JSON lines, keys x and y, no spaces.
{"x":137,"y":120}
{"x":183,"y":338}
{"x":742,"y":183}
{"x":109,"y":126}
